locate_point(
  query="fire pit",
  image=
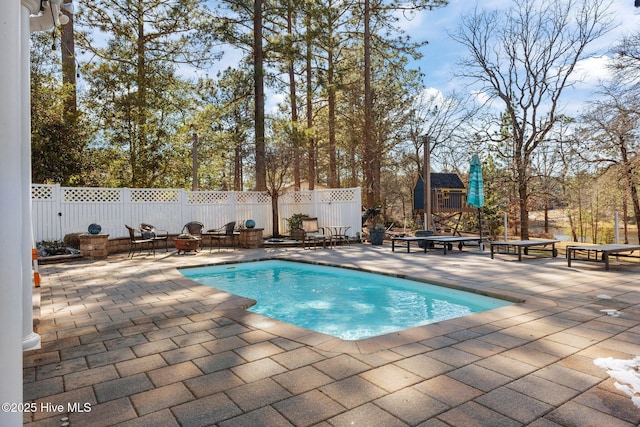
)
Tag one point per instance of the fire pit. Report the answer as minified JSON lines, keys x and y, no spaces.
{"x":187,"y":243}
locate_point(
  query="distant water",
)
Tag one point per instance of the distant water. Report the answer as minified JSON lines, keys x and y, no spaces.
{"x":632,"y":235}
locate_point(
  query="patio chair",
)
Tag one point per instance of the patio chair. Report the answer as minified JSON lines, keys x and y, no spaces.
{"x":226,"y":232}
{"x":139,"y":242}
{"x":194,"y":228}
{"x":313,"y":234}
{"x":150,"y":232}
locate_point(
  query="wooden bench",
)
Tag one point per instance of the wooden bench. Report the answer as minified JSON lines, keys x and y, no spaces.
{"x":603,"y":250}
{"x":521,"y":246}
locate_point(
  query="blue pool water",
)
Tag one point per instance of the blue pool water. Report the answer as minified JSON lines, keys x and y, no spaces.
{"x":344,"y":303}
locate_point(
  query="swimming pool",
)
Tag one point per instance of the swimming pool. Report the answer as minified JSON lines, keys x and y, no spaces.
{"x":344,"y":303}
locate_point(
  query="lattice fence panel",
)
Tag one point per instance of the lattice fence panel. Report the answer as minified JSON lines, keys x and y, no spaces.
{"x":209,"y":197}
{"x":61,"y":210}
{"x":41,"y":192}
{"x":294,"y":197}
{"x":338,"y":195}
{"x":91,"y":195}
{"x":253,"y":197}
{"x":154,"y":196}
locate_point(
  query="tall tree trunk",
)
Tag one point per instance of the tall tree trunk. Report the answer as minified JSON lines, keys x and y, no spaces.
{"x":333,"y":170}
{"x":237,"y":169}
{"x":546,"y":215}
{"x":258,"y":74}
{"x":372,"y":198}
{"x":625,"y":218}
{"x":274,"y":214}
{"x":331,"y":104}
{"x":631,"y":184}
{"x":295,"y":135}
{"x":523,"y":194}
{"x":69,"y":68}
{"x":311,"y":149}
{"x":633,"y":190}
{"x":137,"y":167}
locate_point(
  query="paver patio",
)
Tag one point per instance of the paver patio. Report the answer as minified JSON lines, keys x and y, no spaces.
{"x":141,"y":345}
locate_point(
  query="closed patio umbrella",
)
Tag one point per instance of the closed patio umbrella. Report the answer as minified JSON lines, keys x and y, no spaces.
{"x":475,"y":197}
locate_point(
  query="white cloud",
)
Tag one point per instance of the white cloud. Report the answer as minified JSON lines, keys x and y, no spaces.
{"x":591,"y":71}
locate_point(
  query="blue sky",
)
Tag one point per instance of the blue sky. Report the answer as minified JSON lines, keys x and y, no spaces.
{"x":442,"y":53}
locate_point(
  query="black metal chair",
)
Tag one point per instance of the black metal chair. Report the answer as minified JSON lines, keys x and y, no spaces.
{"x":194,"y":228}
{"x":139,"y":242}
{"x":151,"y":232}
{"x":226,"y":232}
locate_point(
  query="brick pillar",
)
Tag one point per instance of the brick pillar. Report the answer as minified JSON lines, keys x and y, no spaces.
{"x":94,"y":246}
{"x":251,"y":238}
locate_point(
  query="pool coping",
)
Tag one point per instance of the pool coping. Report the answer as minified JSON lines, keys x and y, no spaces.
{"x":235,"y":307}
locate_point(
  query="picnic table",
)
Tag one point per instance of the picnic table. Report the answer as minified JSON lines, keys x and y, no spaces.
{"x":446,"y":241}
{"x":603,"y":250}
{"x":521,"y":246}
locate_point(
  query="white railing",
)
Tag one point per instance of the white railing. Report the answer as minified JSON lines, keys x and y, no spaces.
{"x":58,"y":211}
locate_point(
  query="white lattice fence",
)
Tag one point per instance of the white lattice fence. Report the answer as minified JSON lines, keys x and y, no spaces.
{"x":338,"y":206}
{"x":83,"y":206}
{"x":58,"y":211}
{"x":160,"y":207}
{"x":45,"y":209}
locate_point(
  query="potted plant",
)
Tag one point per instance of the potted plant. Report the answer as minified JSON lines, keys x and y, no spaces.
{"x":376,"y":233}
{"x":295,"y":225}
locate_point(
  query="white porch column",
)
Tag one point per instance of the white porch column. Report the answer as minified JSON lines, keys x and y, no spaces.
{"x":30,"y":340}
{"x":11,"y":215}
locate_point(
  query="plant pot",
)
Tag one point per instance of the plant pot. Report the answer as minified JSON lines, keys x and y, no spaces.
{"x":376,"y":237}
{"x":296,"y":234}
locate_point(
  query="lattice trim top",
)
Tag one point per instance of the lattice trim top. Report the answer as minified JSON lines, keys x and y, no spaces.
{"x":338,"y":195}
{"x":208,"y":197}
{"x":41,"y":192}
{"x":91,"y":195}
{"x":253,"y":197}
{"x":297,"y":197}
{"x":155,"y":195}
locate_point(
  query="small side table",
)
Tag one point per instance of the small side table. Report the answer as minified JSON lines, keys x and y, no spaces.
{"x":251,"y":238}
{"x":94,"y":246}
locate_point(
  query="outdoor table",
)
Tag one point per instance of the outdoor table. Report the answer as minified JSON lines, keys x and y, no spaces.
{"x":338,"y":232}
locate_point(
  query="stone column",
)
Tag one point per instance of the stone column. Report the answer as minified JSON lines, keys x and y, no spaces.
{"x":251,"y":238}
{"x":94,"y":246}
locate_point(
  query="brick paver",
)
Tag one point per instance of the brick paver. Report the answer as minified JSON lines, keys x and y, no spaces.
{"x":141,"y":345}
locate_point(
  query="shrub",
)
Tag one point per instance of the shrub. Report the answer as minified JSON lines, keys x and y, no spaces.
{"x":51,"y":247}
{"x":72,"y":240}
{"x":295,"y":221}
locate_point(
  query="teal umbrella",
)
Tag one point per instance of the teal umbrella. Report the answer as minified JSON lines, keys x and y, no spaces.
{"x":475,"y":197}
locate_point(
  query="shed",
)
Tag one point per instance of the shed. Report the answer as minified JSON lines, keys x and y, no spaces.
{"x":448,"y":194}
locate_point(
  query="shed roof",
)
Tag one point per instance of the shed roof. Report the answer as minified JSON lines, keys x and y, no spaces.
{"x":442,"y":180}
{"x":438,"y":180}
